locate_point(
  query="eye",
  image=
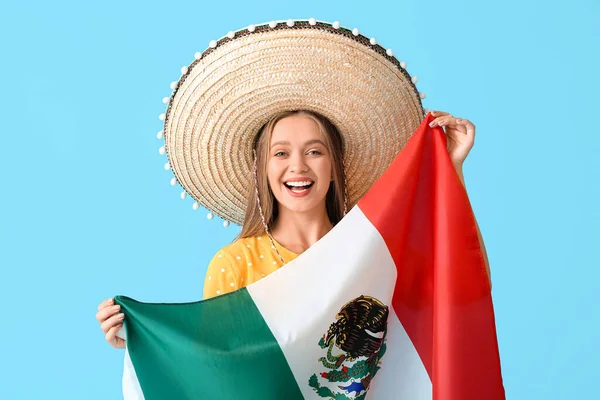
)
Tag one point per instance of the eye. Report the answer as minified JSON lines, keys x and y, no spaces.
{"x":317,"y":152}
{"x":279,"y":153}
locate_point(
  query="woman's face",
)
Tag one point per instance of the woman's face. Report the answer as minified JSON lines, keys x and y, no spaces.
{"x":299,"y":167}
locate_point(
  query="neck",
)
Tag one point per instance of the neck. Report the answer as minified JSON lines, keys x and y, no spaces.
{"x":297,"y":231}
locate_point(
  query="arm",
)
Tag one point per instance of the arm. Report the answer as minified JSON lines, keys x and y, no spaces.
{"x":459,"y":171}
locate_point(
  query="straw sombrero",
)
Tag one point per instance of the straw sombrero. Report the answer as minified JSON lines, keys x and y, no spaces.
{"x":233,"y":88}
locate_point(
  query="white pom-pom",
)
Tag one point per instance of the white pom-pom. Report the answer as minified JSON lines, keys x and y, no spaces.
{"x":414,"y":79}
{"x":212,"y":44}
{"x":197,"y":55}
{"x":355,"y":31}
{"x":162,"y":116}
{"x":173,"y":181}
{"x":168,"y":166}
{"x":165,"y":100}
{"x":173,"y":85}
{"x":272,"y":24}
{"x":182,"y":195}
{"x":421,"y":95}
{"x":162,"y":150}
{"x":373,"y":41}
{"x":312,"y":21}
{"x":389,"y":52}
{"x":184,"y":70}
{"x":195,"y":206}
{"x":336,"y":24}
{"x":209,"y":215}
{"x":403,"y":64}
{"x":225,"y":224}
{"x":160,"y":134}
{"x":251,"y":28}
{"x":290,"y":22}
{"x":231,"y":34}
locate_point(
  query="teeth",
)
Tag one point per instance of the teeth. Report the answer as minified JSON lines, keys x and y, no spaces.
{"x":298,"y":183}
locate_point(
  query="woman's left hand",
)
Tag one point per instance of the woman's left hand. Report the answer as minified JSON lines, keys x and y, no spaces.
{"x":460,"y":133}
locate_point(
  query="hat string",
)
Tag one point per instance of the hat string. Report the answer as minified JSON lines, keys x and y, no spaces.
{"x":345,"y":189}
{"x":262,"y":214}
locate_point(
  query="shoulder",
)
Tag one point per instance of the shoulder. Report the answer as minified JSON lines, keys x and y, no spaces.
{"x":237,"y":253}
{"x":238,"y":249}
{"x":226,"y":272}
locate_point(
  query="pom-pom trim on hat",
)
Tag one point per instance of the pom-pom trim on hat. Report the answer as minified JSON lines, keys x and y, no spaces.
{"x":284,"y":24}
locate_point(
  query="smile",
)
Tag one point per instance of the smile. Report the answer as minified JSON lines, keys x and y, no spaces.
{"x":298,"y":188}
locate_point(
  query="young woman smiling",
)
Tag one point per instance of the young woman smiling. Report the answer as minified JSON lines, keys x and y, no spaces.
{"x":298,"y":197}
{"x":242,"y":142}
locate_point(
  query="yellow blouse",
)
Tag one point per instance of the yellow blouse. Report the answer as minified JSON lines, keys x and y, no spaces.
{"x":241,"y":263}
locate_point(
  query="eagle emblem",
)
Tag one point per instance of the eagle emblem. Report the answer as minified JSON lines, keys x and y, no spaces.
{"x":355,"y":344}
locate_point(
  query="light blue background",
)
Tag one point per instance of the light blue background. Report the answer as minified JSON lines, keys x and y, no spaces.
{"x":87,"y":212}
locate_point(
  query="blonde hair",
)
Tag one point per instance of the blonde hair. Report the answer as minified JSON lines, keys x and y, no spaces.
{"x":335,"y":201}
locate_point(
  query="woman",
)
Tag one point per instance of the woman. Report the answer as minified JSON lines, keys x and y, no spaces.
{"x":239,"y":112}
{"x":301,"y":191}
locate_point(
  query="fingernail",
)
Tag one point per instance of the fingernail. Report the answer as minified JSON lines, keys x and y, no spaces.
{"x":117,"y":307}
{"x":121,"y":316}
{"x":432,"y":123}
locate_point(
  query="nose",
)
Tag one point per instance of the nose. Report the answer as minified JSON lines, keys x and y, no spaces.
{"x":298,"y":163}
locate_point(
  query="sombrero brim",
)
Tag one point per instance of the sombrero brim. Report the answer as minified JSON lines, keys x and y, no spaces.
{"x":233,"y":88}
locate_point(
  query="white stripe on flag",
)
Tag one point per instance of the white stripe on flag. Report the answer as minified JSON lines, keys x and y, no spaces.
{"x":131,"y":385}
{"x":401,"y":367}
{"x":300,"y":301}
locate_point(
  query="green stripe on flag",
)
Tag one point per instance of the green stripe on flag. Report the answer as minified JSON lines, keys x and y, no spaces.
{"x":214,"y":349}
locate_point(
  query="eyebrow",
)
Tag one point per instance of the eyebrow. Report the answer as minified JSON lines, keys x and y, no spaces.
{"x":313,"y":141}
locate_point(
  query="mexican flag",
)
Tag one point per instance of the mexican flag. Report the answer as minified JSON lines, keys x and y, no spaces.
{"x":393,"y":303}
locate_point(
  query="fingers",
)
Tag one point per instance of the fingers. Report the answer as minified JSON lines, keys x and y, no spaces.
{"x":438,"y":113}
{"x":111,"y":322}
{"x":107,"y":312}
{"x":449,"y":120}
{"x":112,"y":333}
{"x":114,"y":340}
{"x":467,"y":124}
{"x":105,"y":303}
{"x":446,"y":119}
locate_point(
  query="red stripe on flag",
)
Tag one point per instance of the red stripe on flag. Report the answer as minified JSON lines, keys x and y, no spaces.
{"x":442,"y":295}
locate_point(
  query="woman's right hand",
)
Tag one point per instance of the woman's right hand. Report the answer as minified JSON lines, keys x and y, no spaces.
{"x":111,"y":320}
